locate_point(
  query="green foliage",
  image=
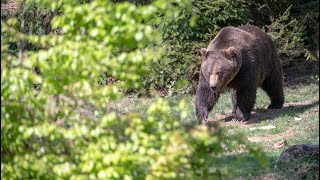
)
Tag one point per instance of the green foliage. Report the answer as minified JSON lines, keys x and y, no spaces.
{"x":204,"y":18}
{"x":184,"y":37}
{"x":287,"y":33}
{"x":43,"y":135}
{"x":310,"y":13}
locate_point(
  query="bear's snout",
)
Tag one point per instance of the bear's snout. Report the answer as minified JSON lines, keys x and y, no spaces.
{"x":213,"y":87}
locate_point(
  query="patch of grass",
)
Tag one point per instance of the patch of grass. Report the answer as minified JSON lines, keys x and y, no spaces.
{"x":244,"y":165}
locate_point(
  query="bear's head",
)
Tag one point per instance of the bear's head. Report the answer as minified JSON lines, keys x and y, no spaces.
{"x":219,"y":67}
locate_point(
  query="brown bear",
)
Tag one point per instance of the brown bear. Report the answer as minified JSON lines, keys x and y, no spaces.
{"x":241,"y":59}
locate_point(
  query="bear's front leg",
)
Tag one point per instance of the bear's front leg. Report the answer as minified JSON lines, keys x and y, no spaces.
{"x":202,"y":113}
{"x":245,"y":100}
{"x":205,"y":100}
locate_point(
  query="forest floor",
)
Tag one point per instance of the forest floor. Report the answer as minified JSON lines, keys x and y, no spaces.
{"x":271,"y":130}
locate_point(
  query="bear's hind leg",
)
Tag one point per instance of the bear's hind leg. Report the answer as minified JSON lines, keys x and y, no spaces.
{"x":234,"y":101}
{"x":274,"y":88}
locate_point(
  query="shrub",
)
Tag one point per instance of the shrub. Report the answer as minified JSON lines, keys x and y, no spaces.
{"x":287,"y":32}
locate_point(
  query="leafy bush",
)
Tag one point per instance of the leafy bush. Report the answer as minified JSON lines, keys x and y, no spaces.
{"x":43,"y":135}
{"x":288,"y":34}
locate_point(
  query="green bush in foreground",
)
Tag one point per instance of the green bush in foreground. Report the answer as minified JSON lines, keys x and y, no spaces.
{"x":43,"y":135}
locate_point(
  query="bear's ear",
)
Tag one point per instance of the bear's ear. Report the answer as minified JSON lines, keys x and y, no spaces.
{"x":231,"y":53}
{"x":203,"y":52}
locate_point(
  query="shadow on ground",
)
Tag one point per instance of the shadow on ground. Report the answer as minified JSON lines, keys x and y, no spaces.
{"x":291,"y":109}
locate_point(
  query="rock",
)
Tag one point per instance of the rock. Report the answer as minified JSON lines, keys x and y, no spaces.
{"x":299,"y":162}
{"x":300,"y":151}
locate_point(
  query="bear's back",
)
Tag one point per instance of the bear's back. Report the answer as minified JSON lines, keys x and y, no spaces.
{"x":246,"y":36}
{"x":257,"y":33}
{"x":251,"y":29}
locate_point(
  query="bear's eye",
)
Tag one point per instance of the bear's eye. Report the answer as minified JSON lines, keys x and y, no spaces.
{"x":219,"y":74}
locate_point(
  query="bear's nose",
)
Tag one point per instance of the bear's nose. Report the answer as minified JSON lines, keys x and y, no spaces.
{"x":213,"y":87}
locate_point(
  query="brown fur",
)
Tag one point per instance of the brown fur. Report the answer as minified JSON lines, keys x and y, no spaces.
{"x":242,"y":59}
